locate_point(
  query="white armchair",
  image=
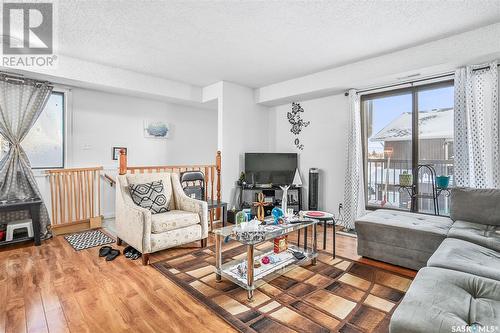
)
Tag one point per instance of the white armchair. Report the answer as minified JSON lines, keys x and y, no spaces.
{"x":185,"y":222}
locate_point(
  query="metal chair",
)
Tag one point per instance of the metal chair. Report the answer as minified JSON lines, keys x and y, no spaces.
{"x":193,"y":184}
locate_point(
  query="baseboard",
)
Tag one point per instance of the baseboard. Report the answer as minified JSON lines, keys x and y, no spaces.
{"x":68,"y":228}
{"x":348,"y":234}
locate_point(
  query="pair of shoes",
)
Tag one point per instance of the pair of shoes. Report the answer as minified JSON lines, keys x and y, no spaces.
{"x":108,"y":252}
{"x":131,"y":253}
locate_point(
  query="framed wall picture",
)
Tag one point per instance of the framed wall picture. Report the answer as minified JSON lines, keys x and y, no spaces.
{"x":116,"y":152}
{"x":156,"y":129}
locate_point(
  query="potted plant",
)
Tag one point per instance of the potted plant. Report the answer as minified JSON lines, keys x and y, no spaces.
{"x":442,"y":182}
{"x":241,"y":180}
{"x":405,"y":179}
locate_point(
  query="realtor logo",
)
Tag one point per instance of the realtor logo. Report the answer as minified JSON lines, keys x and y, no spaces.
{"x":27,"y":28}
{"x":28,"y":35}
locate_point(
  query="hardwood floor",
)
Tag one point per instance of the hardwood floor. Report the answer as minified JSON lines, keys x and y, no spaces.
{"x":52,"y":288}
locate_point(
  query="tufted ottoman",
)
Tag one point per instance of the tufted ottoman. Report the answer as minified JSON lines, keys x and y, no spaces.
{"x":441,"y":300}
{"x":401,"y":238}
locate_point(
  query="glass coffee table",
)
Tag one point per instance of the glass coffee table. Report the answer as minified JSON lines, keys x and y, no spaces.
{"x":256,"y":241}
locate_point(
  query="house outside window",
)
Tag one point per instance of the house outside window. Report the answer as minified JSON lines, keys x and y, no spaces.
{"x":403,"y":129}
{"x":44,"y":143}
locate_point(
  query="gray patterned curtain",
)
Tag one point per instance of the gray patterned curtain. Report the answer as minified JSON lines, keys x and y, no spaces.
{"x":21,"y":102}
{"x":477,"y":126}
{"x":354,"y":189}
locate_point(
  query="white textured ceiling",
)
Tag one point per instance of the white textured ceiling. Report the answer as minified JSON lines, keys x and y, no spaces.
{"x":254,"y":43}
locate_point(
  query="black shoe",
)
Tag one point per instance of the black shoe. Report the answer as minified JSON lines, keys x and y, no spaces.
{"x":112,"y":255}
{"x":136,"y":255}
{"x":104,"y":251}
{"x":128,"y":251}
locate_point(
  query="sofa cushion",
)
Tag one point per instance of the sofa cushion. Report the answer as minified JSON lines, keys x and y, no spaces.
{"x":150,"y":196}
{"x":481,"y":234}
{"x":440,"y":300}
{"x":175,"y":237}
{"x":165,"y":177}
{"x":475,"y":205}
{"x":467,"y":257}
{"x":174,"y":219}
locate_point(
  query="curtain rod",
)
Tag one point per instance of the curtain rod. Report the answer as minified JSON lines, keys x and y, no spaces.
{"x":484,"y":67}
{"x":402,"y":83}
{"x":21,"y":78}
{"x":413,"y":81}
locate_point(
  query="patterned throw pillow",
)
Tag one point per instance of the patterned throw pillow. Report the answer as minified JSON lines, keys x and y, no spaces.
{"x":150,"y":196}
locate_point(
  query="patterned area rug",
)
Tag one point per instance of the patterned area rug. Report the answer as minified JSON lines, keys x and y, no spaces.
{"x":336,"y":295}
{"x":88,"y":239}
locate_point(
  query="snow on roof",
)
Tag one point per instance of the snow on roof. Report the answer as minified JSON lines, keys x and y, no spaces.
{"x":432,"y":124}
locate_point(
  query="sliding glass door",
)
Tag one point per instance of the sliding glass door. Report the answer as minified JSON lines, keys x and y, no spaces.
{"x":403,"y":129}
{"x":388,"y":132}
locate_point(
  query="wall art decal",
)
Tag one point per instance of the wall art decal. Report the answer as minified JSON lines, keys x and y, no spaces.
{"x":156,"y":129}
{"x":295,"y":119}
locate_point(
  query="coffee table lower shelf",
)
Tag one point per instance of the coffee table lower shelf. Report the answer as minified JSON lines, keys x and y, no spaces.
{"x":258,"y":276}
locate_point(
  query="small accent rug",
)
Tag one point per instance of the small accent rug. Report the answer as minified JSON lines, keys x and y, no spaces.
{"x":87,"y":239}
{"x":335,"y":295}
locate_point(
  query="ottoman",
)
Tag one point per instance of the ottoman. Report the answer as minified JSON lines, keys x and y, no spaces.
{"x":400,"y":238}
{"x":443,"y":301}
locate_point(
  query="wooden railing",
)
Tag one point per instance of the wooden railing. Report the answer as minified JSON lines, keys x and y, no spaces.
{"x":109,"y":179}
{"x":212,"y":174}
{"x":76,"y":199}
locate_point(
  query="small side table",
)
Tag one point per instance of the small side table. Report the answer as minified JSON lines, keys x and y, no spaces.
{"x":325,"y":218}
{"x":31,"y":205}
{"x":214,"y":204}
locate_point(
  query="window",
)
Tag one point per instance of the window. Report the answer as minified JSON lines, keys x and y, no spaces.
{"x":44,"y":143}
{"x":403,"y":129}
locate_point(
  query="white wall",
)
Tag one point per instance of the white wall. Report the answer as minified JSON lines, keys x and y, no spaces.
{"x":103,"y":120}
{"x":99,"y":121}
{"x":245,"y":128}
{"x":324,"y":140}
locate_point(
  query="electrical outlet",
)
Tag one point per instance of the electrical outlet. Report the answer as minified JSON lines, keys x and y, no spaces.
{"x":340,"y":205}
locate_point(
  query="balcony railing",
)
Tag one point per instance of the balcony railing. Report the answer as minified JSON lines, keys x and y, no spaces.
{"x":383,"y":180}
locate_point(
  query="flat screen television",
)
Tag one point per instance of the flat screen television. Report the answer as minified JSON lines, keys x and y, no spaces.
{"x":266,"y":168}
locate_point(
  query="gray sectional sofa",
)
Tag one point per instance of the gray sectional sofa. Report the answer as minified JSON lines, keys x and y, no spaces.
{"x":459,"y":289}
{"x":401,"y":238}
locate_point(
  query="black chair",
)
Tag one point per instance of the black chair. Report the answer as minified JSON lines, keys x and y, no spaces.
{"x":193,"y":184}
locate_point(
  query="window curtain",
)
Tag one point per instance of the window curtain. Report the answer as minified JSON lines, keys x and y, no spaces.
{"x":354,"y":190}
{"x":21,"y":102}
{"x":477,"y":133}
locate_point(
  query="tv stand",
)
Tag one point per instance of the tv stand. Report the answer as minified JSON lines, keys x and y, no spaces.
{"x":248,"y":195}
{"x":263,"y":186}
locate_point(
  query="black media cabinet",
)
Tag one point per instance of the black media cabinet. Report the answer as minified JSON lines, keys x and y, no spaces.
{"x":248,"y":195}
